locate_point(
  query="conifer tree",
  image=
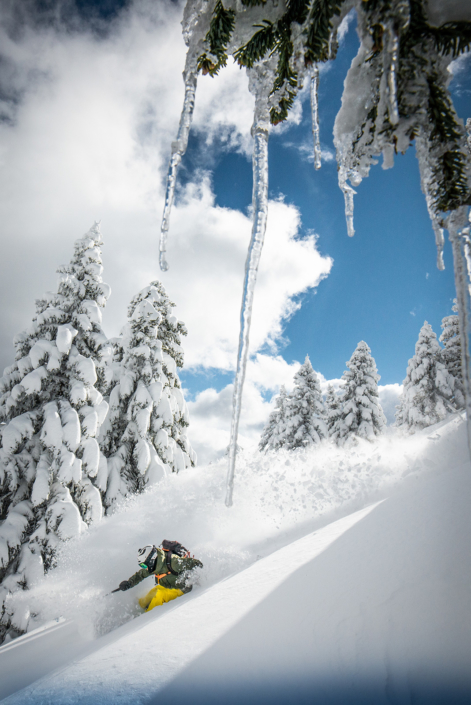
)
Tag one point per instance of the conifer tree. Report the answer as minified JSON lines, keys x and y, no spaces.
{"x":305,"y":414}
{"x":144,"y":436}
{"x":428,"y":390}
{"x":273,"y":433}
{"x":50,"y":462}
{"x":451,"y":355}
{"x":333,"y":408}
{"x":361,"y":413}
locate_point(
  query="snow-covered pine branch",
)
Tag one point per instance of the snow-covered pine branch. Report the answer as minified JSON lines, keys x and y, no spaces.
{"x":144,"y":435}
{"x":304,"y":417}
{"x":451,"y":355}
{"x":333,"y":408}
{"x":428,"y":391}
{"x":361,"y":415}
{"x":50,"y":462}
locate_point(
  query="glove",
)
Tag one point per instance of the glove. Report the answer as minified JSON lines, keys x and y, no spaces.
{"x":125,"y":585}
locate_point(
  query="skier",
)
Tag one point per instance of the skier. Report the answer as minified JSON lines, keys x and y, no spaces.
{"x":171,"y":564}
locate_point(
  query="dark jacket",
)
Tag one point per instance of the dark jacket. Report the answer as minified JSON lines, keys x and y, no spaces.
{"x":182,"y":566}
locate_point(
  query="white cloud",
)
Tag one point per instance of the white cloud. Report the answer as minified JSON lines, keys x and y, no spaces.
{"x":224,"y":108}
{"x":306,"y":150}
{"x":207,"y":254}
{"x":389,"y":397}
{"x":210,"y":417}
{"x":345,"y":25}
{"x":270,"y":372}
{"x":211,"y":411}
{"x":336,"y":383}
{"x":460,"y":64}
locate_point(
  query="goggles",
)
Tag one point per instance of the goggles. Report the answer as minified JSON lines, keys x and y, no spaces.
{"x":149,"y":563}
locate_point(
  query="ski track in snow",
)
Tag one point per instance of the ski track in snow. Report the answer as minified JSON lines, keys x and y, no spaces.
{"x":134,"y":662}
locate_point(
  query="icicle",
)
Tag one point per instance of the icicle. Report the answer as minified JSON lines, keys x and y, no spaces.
{"x":461,"y":244}
{"x":315,"y":116}
{"x":468,"y":130}
{"x":348,"y":193}
{"x":392,"y":69}
{"x":425,"y":178}
{"x":259,"y":221}
{"x":439,"y":241}
{"x":178,"y":150}
{"x":388,"y":156}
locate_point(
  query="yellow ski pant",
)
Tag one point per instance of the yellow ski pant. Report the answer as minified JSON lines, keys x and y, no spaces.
{"x":157,"y":596}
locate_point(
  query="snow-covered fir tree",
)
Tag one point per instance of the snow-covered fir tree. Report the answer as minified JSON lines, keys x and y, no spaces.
{"x":144,"y":436}
{"x":361,"y":413}
{"x":428,"y":391}
{"x":451,"y":355}
{"x":273,"y":433}
{"x":304,"y":410}
{"x":333,"y":408}
{"x":50,"y":461}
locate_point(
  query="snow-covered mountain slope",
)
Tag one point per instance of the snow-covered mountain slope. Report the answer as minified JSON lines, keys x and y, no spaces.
{"x":39,"y":652}
{"x":373,"y":607}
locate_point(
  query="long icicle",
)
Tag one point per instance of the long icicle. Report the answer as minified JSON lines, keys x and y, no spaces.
{"x":190,"y":75}
{"x":315,"y":116}
{"x":422,"y":150}
{"x":460,"y":241}
{"x":348,"y":193}
{"x":259,"y":222}
{"x":439,"y":240}
{"x":393,"y":41}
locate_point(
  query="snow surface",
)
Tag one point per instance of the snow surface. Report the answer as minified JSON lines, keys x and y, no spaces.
{"x":337,"y":577}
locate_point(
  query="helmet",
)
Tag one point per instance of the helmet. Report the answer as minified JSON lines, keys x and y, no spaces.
{"x":147,"y":557}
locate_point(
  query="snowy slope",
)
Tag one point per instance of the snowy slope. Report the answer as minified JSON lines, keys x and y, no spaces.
{"x":39,"y":652}
{"x":373,"y":607}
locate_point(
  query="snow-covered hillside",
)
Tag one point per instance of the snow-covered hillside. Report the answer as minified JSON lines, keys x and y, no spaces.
{"x":338,"y":576}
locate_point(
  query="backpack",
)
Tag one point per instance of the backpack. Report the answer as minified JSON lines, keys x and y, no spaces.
{"x":189,"y":562}
{"x":173,"y":547}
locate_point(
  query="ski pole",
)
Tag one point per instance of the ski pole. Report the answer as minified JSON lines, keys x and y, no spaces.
{"x":110,"y":593}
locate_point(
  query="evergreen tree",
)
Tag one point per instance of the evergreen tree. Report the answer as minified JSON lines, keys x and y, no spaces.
{"x":428,"y":390}
{"x":400,"y":409}
{"x":50,"y":462}
{"x":361,"y":415}
{"x":144,"y":435}
{"x":272,"y":435}
{"x":333,"y":408}
{"x":305,"y":414}
{"x":451,"y":355}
